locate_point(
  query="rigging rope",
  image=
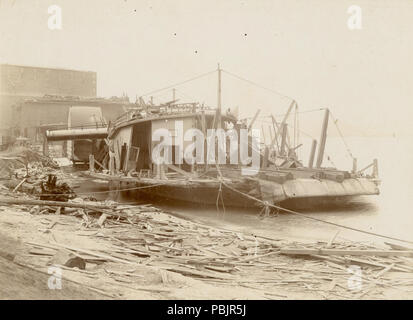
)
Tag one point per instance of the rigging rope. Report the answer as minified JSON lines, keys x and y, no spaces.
{"x":341,"y":135}
{"x":257,"y":85}
{"x":178,"y":84}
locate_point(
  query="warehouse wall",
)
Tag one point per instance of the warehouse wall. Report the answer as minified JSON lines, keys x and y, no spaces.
{"x":34,"y":81}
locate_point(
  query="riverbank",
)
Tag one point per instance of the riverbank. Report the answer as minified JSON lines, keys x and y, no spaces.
{"x":110,"y":250}
{"x":140,"y":252}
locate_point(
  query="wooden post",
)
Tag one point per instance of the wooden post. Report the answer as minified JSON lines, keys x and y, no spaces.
{"x":263,"y":134}
{"x":266,"y":157}
{"x":204,"y":131}
{"x":288,"y":112}
{"x":162,"y":171}
{"x":253,"y":120}
{"x":271,"y":137}
{"x":111,"y":163}
{"x":354,"y":170}
{"x":283,"y":139}
{"x":64,"y":148}
{"x":91,"y":163}
{"x":312,"y":153}
{"x":126,"y":161}
{"x":323,"y":139}
{"x":45,"y":146}
{"x":375,"y":168}
{"x":275,"y":139}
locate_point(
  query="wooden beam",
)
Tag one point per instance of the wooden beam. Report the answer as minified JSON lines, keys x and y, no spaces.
{"x":266,"y":157}
{"x":253,"y":120}
{"x":263,"y":134}
{"x":219,"y":107}
{"x":365,"y":168}
{"x":180,"y":171}
{"x":271,"y":136}
{"x":91,"y":163}
{"x":20,"y":183}
{"x":283,"y":138}
{"x":288,"y":112}
{"x":100,"y":165}
{"x":375,"y":168}
{"x":354,"y":170}
{"x":53,"y":204}
{"x":274,"y":140}
{"x":343,"y":252}
{"x":312,"y":153}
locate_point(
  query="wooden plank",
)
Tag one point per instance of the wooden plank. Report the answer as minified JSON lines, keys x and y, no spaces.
{"x":18,"y":186}
{"x":253,"y":120}
{"x":377,"y":264}
{"x":100,"y":165}
{"x":397,"y":246}
{"x":91,"y":163}
{"x":340,"y":252}
{"x":180,"y":171}
{"x":389,"y":267}
{"x":330,"y":243}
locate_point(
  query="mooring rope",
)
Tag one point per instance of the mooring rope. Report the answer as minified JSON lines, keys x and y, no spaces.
{"x":313,"y":218}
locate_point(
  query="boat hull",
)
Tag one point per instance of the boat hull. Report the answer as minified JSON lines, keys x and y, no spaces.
{"x":296,"y":194}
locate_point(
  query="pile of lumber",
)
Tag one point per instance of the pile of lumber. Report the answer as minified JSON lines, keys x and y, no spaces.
{"x":133,"y":236}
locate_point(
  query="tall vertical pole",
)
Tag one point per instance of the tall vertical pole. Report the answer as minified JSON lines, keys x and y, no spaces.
{"x":354,"y":165}
{"x":375,"y":168}
{"x":45,"y":146}
{"x":323,"y":139}
{"x":263,"y":134}
{"x":312,"y":153}
{"x":271,"y":137}
{"x":283,"y":138}
{"x":219,"y":99}
{"x":295,"y":127}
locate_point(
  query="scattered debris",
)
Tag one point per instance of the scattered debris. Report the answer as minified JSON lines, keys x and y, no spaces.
{"x":128,"y":239}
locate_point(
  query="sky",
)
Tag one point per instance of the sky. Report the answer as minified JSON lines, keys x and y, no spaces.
{"x":301,"y":49}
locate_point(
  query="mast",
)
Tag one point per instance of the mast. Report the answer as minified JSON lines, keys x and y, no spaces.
{"x":219,"y":99}
{"x":323,"y":139}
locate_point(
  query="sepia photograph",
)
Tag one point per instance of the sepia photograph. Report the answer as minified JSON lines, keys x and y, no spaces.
{"x":226,"y":151}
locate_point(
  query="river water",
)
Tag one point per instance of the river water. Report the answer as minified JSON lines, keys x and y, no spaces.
{"x":389,"y":213}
